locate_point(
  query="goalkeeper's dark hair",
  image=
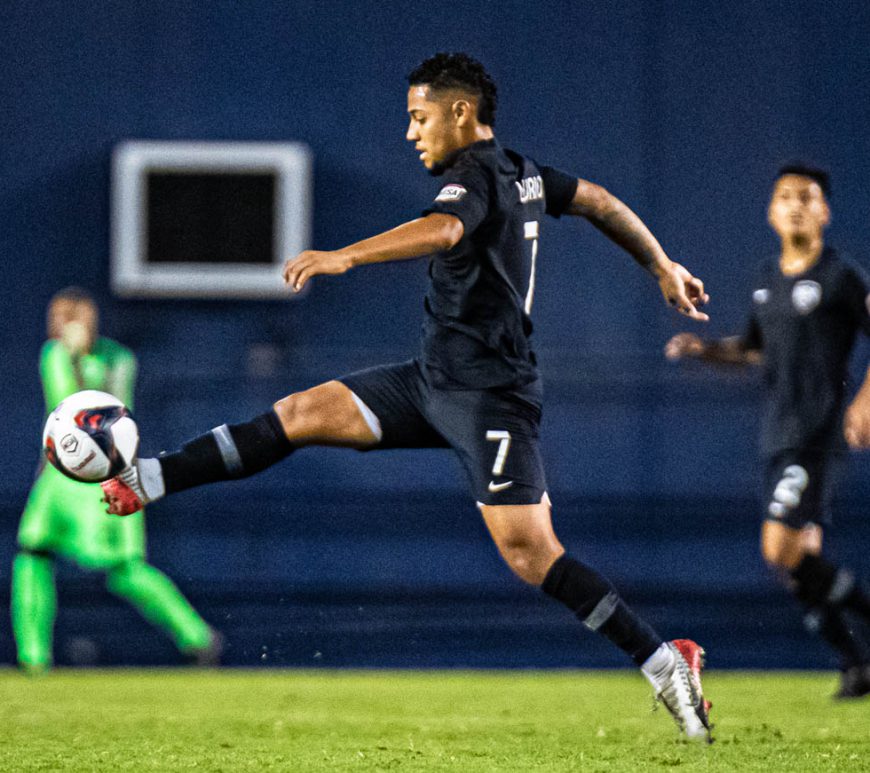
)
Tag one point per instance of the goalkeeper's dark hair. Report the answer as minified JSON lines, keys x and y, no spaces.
{"x":805,"y":170}
{"x":74,"y":294}
{"x":445,"y":71}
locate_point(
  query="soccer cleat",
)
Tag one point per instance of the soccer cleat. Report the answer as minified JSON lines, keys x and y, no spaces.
{"x":208,"y":656}
{"x":682,"y":694}
{"x":854,"y":683}
{"x":34,"y":669}
{"x":123,"y":494}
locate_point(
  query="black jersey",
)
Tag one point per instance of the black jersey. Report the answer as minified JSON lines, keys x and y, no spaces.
{"x":805,"y":325}
{"x":476,"y":332}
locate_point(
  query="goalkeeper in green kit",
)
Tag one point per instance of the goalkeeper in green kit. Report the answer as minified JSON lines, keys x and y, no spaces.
{"x":68,"y":519}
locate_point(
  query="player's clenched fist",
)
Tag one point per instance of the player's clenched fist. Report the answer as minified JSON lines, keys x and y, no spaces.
{"x":298,"y":270}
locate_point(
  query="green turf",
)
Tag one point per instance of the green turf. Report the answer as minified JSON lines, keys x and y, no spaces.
{"x":163,"y":720}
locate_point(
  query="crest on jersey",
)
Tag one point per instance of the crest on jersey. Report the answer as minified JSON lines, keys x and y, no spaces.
{"x":805,"y":296}
{"x":452,"y":192}
{"x":761,"y":296}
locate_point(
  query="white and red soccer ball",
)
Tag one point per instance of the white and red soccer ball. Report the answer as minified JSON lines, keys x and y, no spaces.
{"x":90,"y":436}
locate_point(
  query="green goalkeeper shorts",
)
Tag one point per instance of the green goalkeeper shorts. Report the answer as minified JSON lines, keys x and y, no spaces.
{"x":69,"y":518}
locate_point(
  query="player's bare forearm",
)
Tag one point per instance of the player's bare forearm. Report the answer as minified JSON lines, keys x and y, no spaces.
{"x":730,"y":351}
{"x":423,"y":236}
{"x":620,"y":224}
{"x":721,"y":351}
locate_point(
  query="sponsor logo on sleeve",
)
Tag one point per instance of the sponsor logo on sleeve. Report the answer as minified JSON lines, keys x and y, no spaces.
{"x":452,"y":192}
{"x":805,"y":296}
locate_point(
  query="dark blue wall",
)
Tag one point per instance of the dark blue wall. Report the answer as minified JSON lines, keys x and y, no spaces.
{"x":682,"y":109}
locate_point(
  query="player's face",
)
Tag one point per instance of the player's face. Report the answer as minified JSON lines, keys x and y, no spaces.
{"x":435,"y":125}
{"x":74,"y":321}
{"x":798,"y":209}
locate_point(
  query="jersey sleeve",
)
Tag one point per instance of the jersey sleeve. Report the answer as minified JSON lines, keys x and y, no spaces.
{"x":858,"y":299}
{"x":465,"y":193}
{"x":559,"y":190}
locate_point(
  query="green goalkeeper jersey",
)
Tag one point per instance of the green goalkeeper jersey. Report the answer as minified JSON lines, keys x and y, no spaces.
{"x":62,"y":515}
{"x":108,"y":367}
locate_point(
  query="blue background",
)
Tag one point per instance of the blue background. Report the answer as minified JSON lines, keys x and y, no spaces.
{"x":684,"y":110}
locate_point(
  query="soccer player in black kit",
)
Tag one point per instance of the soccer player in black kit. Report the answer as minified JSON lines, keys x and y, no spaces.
{"x":475,"y":387}
{"x":808,"y":305}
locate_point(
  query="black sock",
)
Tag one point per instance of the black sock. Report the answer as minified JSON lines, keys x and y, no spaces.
{"x":831,"y":624}
{"x":595,"y":601}
{"x":226,"y":452}
{"x":826,"y":591}
{"x":818,"y":582}
{"x":852,"y":593}
{"x":814,"y":578}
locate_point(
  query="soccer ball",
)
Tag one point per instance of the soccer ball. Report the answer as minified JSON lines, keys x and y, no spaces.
{"x":90,"y":436}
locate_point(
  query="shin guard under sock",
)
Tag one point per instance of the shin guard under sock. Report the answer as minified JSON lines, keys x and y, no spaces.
{"x":226,"y":452}
{"x":597,"y":604}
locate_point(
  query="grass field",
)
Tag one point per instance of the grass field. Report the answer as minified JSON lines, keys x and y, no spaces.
{"x":166,"y":720}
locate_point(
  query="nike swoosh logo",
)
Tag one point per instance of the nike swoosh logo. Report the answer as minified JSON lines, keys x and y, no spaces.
{"x":494,"y":487}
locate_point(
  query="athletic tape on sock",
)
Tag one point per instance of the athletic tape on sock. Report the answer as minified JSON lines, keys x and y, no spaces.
{"x":604,"y":609}
{"x":228,"y":450}
{"x":843,"y":583}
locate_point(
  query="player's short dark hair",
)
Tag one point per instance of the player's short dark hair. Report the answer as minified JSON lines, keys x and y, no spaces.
{"x":459,"y":71}
{"x":805,"y":170}
{"x":74,"y":294}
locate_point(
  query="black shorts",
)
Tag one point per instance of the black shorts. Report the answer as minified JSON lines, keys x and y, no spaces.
{"x":493,"y":431}
{"x":799,"y":485}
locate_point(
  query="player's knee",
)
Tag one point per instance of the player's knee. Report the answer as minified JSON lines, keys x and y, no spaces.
{"x":528,"y":560}
{"x":119,"y":578}
{"x":780,"y":555}
{"x":306,"y":413}
{"x":291,"y":410}
{"x":324,"y":415}
{"x":772,"y":554}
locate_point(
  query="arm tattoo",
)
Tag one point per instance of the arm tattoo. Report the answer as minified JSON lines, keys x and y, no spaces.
{"x":627,"y":230}
{"x":616,"y":221}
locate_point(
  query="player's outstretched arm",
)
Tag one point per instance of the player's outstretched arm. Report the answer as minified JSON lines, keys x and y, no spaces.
{"x":856,"y":425}
{"x":423,"y":236}
{"x":617,"y":221}
{"x":722,"y":351}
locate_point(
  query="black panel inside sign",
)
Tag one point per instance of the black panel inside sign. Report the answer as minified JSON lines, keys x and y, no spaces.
{"x":210,"y":217}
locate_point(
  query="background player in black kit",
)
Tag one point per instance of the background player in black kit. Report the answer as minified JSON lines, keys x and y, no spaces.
{"x":475,"y":387}
{"x":808,"y":305}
